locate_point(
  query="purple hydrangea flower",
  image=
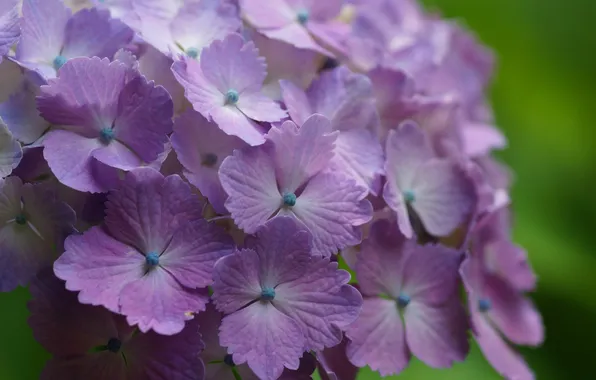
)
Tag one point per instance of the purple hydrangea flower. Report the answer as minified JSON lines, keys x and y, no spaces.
{"x":89,"y":342}
{"x":195,"y":26}
{"x":201,"y":148}
{"x":280,"y":300}
{"x":34,"y":224}
{"x":347,"y":100}
{"x":226,"y":87}
{"x":495,"y":275}
{"x":20,"y":110}
{"x":10,"y":151}
{"x":108,"y":114}
{"x":288,"y":176}
{"x":437,"y":191}
{"x":10,"y":30}
{"x":47,"y":43}
{"x":304,"y":24}
{"x":152,"y":257}
{"x":411,"y":304}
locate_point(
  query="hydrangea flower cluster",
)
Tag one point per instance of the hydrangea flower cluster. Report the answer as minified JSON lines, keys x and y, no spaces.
{"x":221,"y":189}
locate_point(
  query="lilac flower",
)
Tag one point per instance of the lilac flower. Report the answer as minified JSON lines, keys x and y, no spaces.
{"x":108,"y":114}
{"x":20,"y":110}
{"x":194,"y":27}
{"x":10,"y":30}
{"x":201,"y":147}
{"x":151,"y":258}
{"x":34,"y":224}
{"x":288,"y":176}
{"x":304,"y":24}
{"x":411,"y":304}
{"x":347,"y":100}
{"x":10,"y":151}
{"x":280,"y":300}
{"x":89,"y":342}
{"x":437,"y":191}
{"x":47,"y":43}
{"x":226,"y":87}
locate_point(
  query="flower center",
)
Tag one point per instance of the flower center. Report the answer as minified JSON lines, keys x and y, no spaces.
{"x":232,"y":96}
{"x":192,"y":52}
{"x":106,"y":135}
{"x":484,"y":305}
{"x":268,"y":294}
{"x":114,"y":345}
{"x":229,"y":360}
{"x":152,"y":259}
{"x":289,"y":199}
{"x":302,"y":16}
{"x":21,"y":219}
{"x":59,"y":61}
{"x":409,"y":196}
{"x":403,"y":300}
{"x":209,"y":159}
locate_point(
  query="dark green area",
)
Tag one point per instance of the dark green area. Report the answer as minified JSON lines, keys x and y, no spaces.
{"x":544,"y":96}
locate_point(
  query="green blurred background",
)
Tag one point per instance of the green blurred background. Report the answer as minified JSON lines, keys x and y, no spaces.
{"x":544,"y":96}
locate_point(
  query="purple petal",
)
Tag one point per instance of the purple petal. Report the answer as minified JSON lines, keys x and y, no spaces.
{"x":42,"y":36}
{"x":10,"y":30}
{"x":193,"y":251}
{"x":301,"y":152}
{"x":510,"y":262}
{"x":148,"y":209}
{"x":157,"y":301}
{"x":480,"y":139}
{"x":248,"y":177}
{"x":201,"y":148}
{"x":274,"y":16}
{"x":377,"y":338}
{"x":92,"y":366}
{"x":321,"y":302}
{"x":333,"y":208}
{"x":296,"y":101}
{"x":99,"y":267}
{"x":263,"y":337}
{"x":437,"y":335}
{"x":91,"y":32}
{"x":334,"y":364}
{"x":10,"y":151}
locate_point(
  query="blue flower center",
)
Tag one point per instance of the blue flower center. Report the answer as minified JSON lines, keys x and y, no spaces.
{"x":106,"y":135}
{"x":21,"y":219}
{"x":209,"y":159}
{"x":59,"y":61}
{"x":114,"y":345}
{"x":289,"y":199}
{"x":192,"y":52}
{"x":484,"y":305}
{"x":403,"y":300}
{"x":302,"y":16}
{"x":229,"y":360}
{"x":152,"y":259}
{"x":268,"y":294}
{"x":409,"y":196}
{"x":232,"y":96}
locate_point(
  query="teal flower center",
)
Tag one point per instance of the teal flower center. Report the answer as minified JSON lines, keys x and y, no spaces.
{"x":21,"y":219}
{"x":114,"y":345}
{"x":484,"y":305}
{"x":192,"y":52}
{"x":403,"y":300}
{"x":232,"y":97}
{"x":106,"y":135}
{"x":152,"y":259}
{"x":209,"y":159}
{"x":302,"y":16}
{"x":289,"y":199}
{"x":409,"y":196}
{"x":59,"y":61}
{"x":267,"y":294}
